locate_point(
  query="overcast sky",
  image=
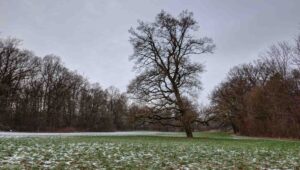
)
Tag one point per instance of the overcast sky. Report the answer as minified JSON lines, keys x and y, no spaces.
{"x":91,"y":36}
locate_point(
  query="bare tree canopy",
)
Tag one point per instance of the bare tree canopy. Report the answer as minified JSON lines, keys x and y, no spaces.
{"x":166,"y":75}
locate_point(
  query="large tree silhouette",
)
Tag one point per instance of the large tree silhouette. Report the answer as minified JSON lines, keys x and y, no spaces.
{"x":166,"y":75}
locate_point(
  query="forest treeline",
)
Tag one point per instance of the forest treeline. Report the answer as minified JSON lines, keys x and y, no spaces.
{"x":262,"y":98}
{"x":41,"y":94}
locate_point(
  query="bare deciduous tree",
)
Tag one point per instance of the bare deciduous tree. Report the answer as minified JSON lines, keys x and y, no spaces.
{"x":166,"y":74}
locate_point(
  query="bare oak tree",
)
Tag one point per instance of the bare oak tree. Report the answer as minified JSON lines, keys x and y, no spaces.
{"x":166,"y":75}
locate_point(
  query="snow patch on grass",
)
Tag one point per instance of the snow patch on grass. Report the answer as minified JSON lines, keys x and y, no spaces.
{"x":43,"y":134}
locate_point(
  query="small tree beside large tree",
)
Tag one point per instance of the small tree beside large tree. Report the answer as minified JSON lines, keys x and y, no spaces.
{"x":167,"y":78}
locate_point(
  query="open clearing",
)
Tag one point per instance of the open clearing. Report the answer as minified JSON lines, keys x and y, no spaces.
{"x":144,"y":150}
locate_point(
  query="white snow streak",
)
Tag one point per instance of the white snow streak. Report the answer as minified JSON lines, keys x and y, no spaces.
{"x":43,"y":134}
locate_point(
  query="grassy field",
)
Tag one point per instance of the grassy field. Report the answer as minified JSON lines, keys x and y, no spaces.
{"x":212,"y":150}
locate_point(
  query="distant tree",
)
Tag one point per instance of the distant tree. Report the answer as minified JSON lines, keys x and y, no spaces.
{"x":166,"y":75}
{"x":296,"y":57}
{"x":16,"y":65}
{"x":117,"y":106}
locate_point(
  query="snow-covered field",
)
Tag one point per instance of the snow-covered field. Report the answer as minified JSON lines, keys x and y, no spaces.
{"x":144,"y":150}
{"x":42,"y":134}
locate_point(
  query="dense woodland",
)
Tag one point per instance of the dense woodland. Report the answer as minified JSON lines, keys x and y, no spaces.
{"x":262,"y":98}
{"x":41,"y":94}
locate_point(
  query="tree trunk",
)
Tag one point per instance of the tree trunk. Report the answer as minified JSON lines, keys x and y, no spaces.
{"x":185,"y":121}
{"x":188,"y":130}
{"x":234,"y":128}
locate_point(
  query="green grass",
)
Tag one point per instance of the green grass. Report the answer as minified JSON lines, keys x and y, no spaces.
{"x":209,"y":150}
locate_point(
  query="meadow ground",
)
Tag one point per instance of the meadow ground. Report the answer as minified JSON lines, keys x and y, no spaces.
{"x":208,"y":150}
